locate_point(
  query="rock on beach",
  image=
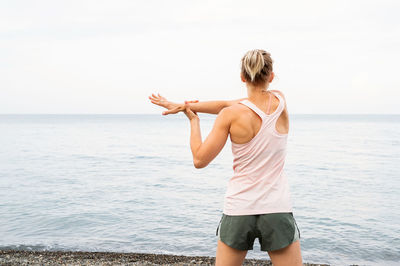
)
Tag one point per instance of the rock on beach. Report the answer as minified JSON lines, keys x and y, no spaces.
{"x":21,"y":257}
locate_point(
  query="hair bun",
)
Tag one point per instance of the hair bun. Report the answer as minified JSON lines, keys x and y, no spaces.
{"x":253,"y":63}
{"x":256,"y":66}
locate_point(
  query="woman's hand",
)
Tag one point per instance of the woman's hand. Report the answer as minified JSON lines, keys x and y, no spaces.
{"x":161,"y":101}
{"x":189,"y":113}
{"x":173,"y":108}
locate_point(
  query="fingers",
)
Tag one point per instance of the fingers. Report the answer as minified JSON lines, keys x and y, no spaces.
{"x":157,"y":97}
{"x":189,"y":113}
{"x":155,"y":102}
{"x":154,"y":97}
{"x":190,"y":110}
{"x":168,"y":112}
{"x":159,"y":100}
{"x":160,"y":97}
{"x":172,"y":111}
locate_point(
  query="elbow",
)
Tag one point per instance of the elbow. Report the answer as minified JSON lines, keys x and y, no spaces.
{"x":199,"y":164}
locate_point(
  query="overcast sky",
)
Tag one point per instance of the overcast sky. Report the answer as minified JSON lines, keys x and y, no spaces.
{"x":108,"y":56}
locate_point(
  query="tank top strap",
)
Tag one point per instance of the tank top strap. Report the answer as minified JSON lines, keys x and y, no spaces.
{"x":253,"y":107}
{"x":281,"y":105}
{"x":271,"y":95}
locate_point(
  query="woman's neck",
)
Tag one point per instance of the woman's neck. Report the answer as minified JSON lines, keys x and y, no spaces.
{"x":257,"y":93}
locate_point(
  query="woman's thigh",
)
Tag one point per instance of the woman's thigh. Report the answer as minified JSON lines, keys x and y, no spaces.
{"x":288,"y":256}
{"x":228,"y":256}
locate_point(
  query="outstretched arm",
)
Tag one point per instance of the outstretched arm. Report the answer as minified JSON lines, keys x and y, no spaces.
{"x":210,"y":107}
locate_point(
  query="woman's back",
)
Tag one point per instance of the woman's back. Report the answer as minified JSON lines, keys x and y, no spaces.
{"x":248,"y":123}
{"x":259,"y":184}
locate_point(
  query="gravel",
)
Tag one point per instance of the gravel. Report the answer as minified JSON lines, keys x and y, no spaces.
{"x":20,"y":257}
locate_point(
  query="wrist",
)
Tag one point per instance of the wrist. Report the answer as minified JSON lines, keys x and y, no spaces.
{"x":173,"y":105}
{"x":195,"y":119}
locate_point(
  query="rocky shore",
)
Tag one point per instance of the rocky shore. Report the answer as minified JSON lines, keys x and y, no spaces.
{"x":19,"y":257}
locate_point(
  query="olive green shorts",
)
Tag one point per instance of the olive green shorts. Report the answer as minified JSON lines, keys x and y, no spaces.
{"x":273,"y":230}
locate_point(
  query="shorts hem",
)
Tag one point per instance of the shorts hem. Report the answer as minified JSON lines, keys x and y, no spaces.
{"x":248,"y":248}
{"x":284,"y":246}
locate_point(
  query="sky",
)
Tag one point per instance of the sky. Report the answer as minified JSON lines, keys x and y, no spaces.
{"x":88,"y":57}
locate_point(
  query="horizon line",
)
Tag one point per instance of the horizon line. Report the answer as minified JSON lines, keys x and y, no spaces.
{"x":200,"y":113}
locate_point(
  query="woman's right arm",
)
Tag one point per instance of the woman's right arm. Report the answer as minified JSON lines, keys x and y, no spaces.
{"x":210,"y":107}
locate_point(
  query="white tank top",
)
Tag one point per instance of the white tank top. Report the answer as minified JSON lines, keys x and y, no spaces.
{"x":259,"y":184}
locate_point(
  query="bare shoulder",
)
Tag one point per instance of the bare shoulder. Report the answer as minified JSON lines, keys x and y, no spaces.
{"x":226,"y":115}
{"x":235,"y":108}
{"x":280,"y":93}
{"x":231,"y":112}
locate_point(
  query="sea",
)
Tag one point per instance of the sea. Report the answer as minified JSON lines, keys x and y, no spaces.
{"x":126,"y":183}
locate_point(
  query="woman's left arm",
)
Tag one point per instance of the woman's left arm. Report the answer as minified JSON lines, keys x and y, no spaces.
{"x":204,"y":152}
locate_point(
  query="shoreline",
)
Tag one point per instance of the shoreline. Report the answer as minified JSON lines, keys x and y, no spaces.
{"x":24,"y":257}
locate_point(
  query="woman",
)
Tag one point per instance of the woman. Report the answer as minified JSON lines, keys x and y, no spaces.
{"x":257,"y":201}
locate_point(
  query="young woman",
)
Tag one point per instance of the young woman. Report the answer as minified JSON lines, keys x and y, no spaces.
{"x":257,"y":201}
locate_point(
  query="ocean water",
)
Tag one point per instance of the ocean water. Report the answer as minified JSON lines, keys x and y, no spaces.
{"x":126,"y":183}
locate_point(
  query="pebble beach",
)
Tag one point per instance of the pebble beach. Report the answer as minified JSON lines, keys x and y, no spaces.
{"x":19,"y":257}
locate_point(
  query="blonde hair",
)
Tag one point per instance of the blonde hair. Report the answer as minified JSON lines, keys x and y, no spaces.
{"x":256,"y":66}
